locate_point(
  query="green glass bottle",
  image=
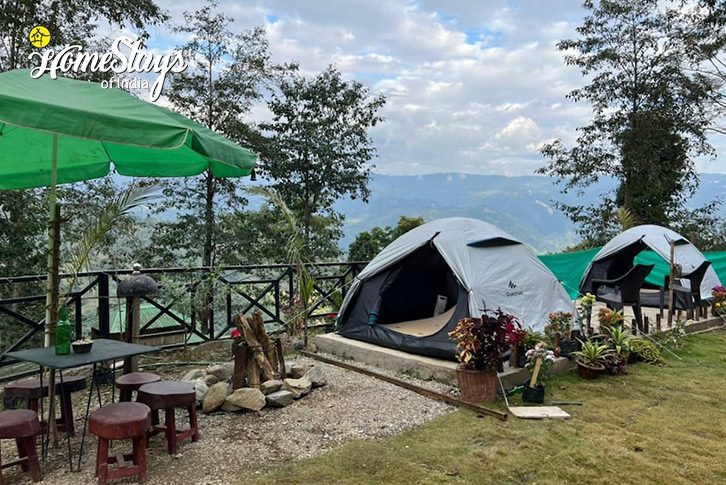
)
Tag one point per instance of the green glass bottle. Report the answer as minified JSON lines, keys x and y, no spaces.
{"x":63,"y":333}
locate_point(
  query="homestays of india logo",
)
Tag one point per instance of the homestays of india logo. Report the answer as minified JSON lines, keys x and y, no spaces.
{"x":125,"y":57}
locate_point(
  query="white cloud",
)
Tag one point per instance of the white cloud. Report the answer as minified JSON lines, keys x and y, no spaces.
{"x":470,"y":86}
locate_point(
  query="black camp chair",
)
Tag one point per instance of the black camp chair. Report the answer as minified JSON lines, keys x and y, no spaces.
{"x":624,"y":291}
{"x":692,"y":293}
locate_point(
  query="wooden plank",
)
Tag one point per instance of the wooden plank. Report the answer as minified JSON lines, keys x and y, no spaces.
{"x":538,"y":412}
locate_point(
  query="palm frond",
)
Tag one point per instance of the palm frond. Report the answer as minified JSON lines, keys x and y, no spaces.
{"x":136,"y":195}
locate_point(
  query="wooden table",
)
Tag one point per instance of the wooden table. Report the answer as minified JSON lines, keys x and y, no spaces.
{"x":103,"y":350}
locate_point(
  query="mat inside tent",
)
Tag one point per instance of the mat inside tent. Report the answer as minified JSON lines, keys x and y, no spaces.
{"x":423,"y":327}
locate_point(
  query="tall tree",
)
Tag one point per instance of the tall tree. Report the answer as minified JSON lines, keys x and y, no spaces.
{"x":650,"y":115}
{"x":321,"y":147}
{"x":228,"y":73}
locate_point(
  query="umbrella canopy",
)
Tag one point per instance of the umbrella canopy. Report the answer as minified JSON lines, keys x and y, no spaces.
{"x":96,"y":127}
{"x":62,"y":130}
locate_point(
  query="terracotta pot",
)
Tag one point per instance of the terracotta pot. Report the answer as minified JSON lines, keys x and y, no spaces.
{"x":589,"y":372}
{"x":477,"y":385}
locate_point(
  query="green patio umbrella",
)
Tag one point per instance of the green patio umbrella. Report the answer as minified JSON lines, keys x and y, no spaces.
{"x":55,"y":131}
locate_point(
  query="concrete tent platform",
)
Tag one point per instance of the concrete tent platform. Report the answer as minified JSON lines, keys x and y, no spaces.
{"x":420,"y":367}
{"x":428,"y":368}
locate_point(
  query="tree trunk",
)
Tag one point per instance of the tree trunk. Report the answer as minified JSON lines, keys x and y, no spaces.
{"x":255,"y":347}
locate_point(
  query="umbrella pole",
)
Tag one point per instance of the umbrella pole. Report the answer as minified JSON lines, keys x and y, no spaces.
{"x":51,"y":286}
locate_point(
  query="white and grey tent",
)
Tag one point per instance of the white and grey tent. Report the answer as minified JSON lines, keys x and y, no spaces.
{"x":410,"y":296}
{"x":618,"y":255}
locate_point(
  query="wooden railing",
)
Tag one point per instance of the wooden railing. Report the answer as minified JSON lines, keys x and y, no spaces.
{"x":228,"y":291}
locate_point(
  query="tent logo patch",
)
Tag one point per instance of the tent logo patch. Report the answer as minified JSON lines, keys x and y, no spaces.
{"x":513,"y":286}
{"x":39,"y":36}
{"x":126,"y":56}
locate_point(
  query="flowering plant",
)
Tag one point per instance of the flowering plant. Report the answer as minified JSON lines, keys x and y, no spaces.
{"x":719,"y":295}
{"x":480,"y":342}
{"x":610,"y":318}
{"x":548,"y":358}
{"x":559,"y":324}
{"x":585,"y":310}
{"x":235,"y":334}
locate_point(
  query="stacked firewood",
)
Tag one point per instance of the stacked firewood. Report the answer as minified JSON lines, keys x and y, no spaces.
{"x":257,"y":358}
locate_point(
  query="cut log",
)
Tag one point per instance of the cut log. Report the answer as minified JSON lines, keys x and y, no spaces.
{"x":253,"y":374}
{"x":254,"y":346}
{"x":258,"y":326}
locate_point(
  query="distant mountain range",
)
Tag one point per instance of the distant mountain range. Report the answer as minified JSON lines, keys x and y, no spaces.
{"x":522,"y":206}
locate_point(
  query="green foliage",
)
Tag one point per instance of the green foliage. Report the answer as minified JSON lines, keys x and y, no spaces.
{"x":297,"y":255}
{"x":619,"y":337}
{"x":593,"y":353}
{"x":68,"y":21}
{"x":79,"y":257}
{"x":647,"y":351}
{"x":230,"y":73}
{"x":320,"y":148}
{"x":650,"y":116}
{"x":368,"y":244}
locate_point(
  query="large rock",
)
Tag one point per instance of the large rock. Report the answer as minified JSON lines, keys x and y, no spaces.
{"x":268,"y":387}
{"x":215,"y":397}
{"x":298,"y":387}
{"x":246,"y":398}
{"x":193,"y":375}
{"x":210,"y":380}
{"x":201,"y":389}
{"x":279,"y":399}
{"x":298,"y":370}
{"x":222,"y":372}
{"x":316,"y":377}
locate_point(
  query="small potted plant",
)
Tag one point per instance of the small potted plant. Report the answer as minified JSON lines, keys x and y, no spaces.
{"x":82,"y":345}
{"x":619,"y":338}
{"x":559,"y":330}
{"x":609,"y":318}
{"x":585,"y":311}
{"x":527,"y":339}
{"x":534,"y":389}
{"x":480,"y":344}
{"x":591,"y":358}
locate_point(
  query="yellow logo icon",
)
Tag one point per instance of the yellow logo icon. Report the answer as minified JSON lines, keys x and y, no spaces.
{"x":39,"y":36}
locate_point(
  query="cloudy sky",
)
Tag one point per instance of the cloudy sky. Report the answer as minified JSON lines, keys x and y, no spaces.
{"x":471,"y":86}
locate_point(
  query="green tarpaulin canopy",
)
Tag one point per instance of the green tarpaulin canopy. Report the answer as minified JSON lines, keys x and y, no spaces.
{"x":97,"y":126}
{"x":569,"y":267}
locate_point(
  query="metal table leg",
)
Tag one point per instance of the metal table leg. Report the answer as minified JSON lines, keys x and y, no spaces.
{"x":88,"y":408}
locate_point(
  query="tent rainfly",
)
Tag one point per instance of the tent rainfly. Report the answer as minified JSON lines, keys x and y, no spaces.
{"x":618,"y":255}
{"x":412,"y":294}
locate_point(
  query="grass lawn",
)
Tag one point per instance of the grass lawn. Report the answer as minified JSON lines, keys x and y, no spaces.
{"x":657,"y":425}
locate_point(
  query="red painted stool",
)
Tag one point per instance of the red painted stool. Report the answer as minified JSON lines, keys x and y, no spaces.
{"x":30,"y":389}
{"x":23,"y":426}
{"x":121,"y":421}
{"x":168,"y":395}
{"x":130,"y":382}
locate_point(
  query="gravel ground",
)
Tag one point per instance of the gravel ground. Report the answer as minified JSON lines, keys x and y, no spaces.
{"x":350,"y":406}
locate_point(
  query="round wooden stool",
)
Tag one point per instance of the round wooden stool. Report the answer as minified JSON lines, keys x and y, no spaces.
{"x":121,"y":421}
{"x":130,"y":382}
{"x":21,"y":425}
{"x":30,"y":389}
{"x":168,"y":395}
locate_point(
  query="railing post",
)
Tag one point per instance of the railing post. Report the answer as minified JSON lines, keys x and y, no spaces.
{"x":229,"y":306}
{"x":104,"y":312}
{"x":79,"y":317}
